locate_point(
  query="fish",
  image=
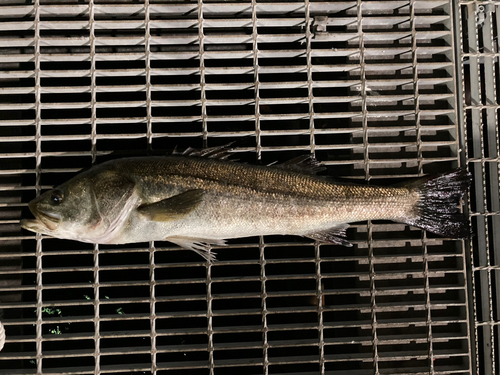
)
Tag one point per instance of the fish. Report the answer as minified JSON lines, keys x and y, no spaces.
{"x":201,"y":198}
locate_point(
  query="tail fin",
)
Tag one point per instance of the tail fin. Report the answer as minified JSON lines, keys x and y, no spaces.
{"x":437,"y":209}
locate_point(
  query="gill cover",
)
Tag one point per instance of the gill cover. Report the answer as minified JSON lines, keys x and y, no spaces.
{"x":111,"y":191}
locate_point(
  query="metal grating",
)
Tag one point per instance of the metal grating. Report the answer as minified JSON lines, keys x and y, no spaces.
{"x":480,"y":73}
{"x":369,"y":87}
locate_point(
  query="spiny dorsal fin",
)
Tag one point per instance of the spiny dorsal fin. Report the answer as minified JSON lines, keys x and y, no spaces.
{"x":219,"y":152}
{"x":303,"y":164}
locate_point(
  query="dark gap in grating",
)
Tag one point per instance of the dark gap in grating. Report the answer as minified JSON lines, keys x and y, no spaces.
{"x":103,"y":97}
{"x":66,"y":130}
{"x":230,"y":110}
{"x":65,"y":98}
{"x":470,"y":136}
{"x":65,"y":113}
{"x":121,"y":33}
{"x":63,"y":82}
{"x":61,"y":33}
{"x":139,"y":325}
{"x":210,"y":63}
{"x":284,"y":77}
{"x":286,"y":140}
{"x":61,"y":146}
{"x":224,"y":78}
{"x":465,"y":36}
{"x":491,"y":187}
{"x":193,"y":94}
{"x":22,"y":34}
{"x":180,"y":111}
{"x":189,"y":323}
{"x":194,"y":49}
{"x":203,"y":371}
{"x":279,"y":61}
{"x":177,"y":127}
{"x":282,"y":93}
{"x":286,"y":108}
{"x":480,"y":342}
{"x":231,"y":127}
{"x":483,"y":85}
{"x":118,"y":17}
{"x":475,"y":222}
{"x":268,"y":30}
{"x":245,"y":33}
{"x":15,"y":114}
{"x":135,"y":145}
{"x":16,"y":66}
{"x":130,"y":112}
{"x":295,"y":46}
{"x":240,"y":369}
{"x":282,"y":125}
{"x":122,"y":65}
{"x":497,"y":79}
{"x":16,"y":51}
{"x":494,"y":284}
{"x":130,"y":359}
{"x":51,"y":363}
{"x":122,"y":81}
{"x":84,"y":51}
{"x":169,"y":80}
{"x":53,"y":17}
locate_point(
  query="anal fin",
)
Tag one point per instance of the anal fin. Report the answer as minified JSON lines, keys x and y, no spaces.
{"x":335,"y":235}
{"x":198,"y":245}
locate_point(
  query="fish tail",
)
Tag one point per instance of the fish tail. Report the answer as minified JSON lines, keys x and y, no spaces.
{"x":437,"y":210}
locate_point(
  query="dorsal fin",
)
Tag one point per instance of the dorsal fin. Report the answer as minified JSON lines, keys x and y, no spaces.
{"x":219,"y":152}
{"x":303,"y":164}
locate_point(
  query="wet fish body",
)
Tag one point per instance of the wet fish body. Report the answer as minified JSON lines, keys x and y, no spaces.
{"x":195,"y":201}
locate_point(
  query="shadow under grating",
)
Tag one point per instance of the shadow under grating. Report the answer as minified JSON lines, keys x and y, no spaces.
{"x":368,"y":87}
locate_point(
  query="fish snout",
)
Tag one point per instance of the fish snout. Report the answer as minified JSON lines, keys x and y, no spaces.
{"x":43,"y":216}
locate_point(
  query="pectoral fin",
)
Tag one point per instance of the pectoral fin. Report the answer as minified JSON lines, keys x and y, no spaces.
{"x":198,"y":245}
{"x":173,"y":208}
{"x":335,"y":235}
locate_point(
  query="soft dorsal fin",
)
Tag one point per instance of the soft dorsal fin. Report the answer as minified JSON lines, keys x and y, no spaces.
{"x":219,"y":152}
{"x":303,"y":164}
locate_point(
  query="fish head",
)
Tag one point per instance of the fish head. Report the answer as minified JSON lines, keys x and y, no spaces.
{"x":89,"y":208}
{"x":66,"y":211}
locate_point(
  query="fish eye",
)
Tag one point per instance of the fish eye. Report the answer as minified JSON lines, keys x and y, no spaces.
{"x":57,"y":196}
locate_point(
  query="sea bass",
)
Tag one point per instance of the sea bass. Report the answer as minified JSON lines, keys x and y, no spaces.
{"x":199,"y":198}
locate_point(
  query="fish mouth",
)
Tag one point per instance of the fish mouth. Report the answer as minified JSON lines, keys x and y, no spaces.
{"x":43,"y":220}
